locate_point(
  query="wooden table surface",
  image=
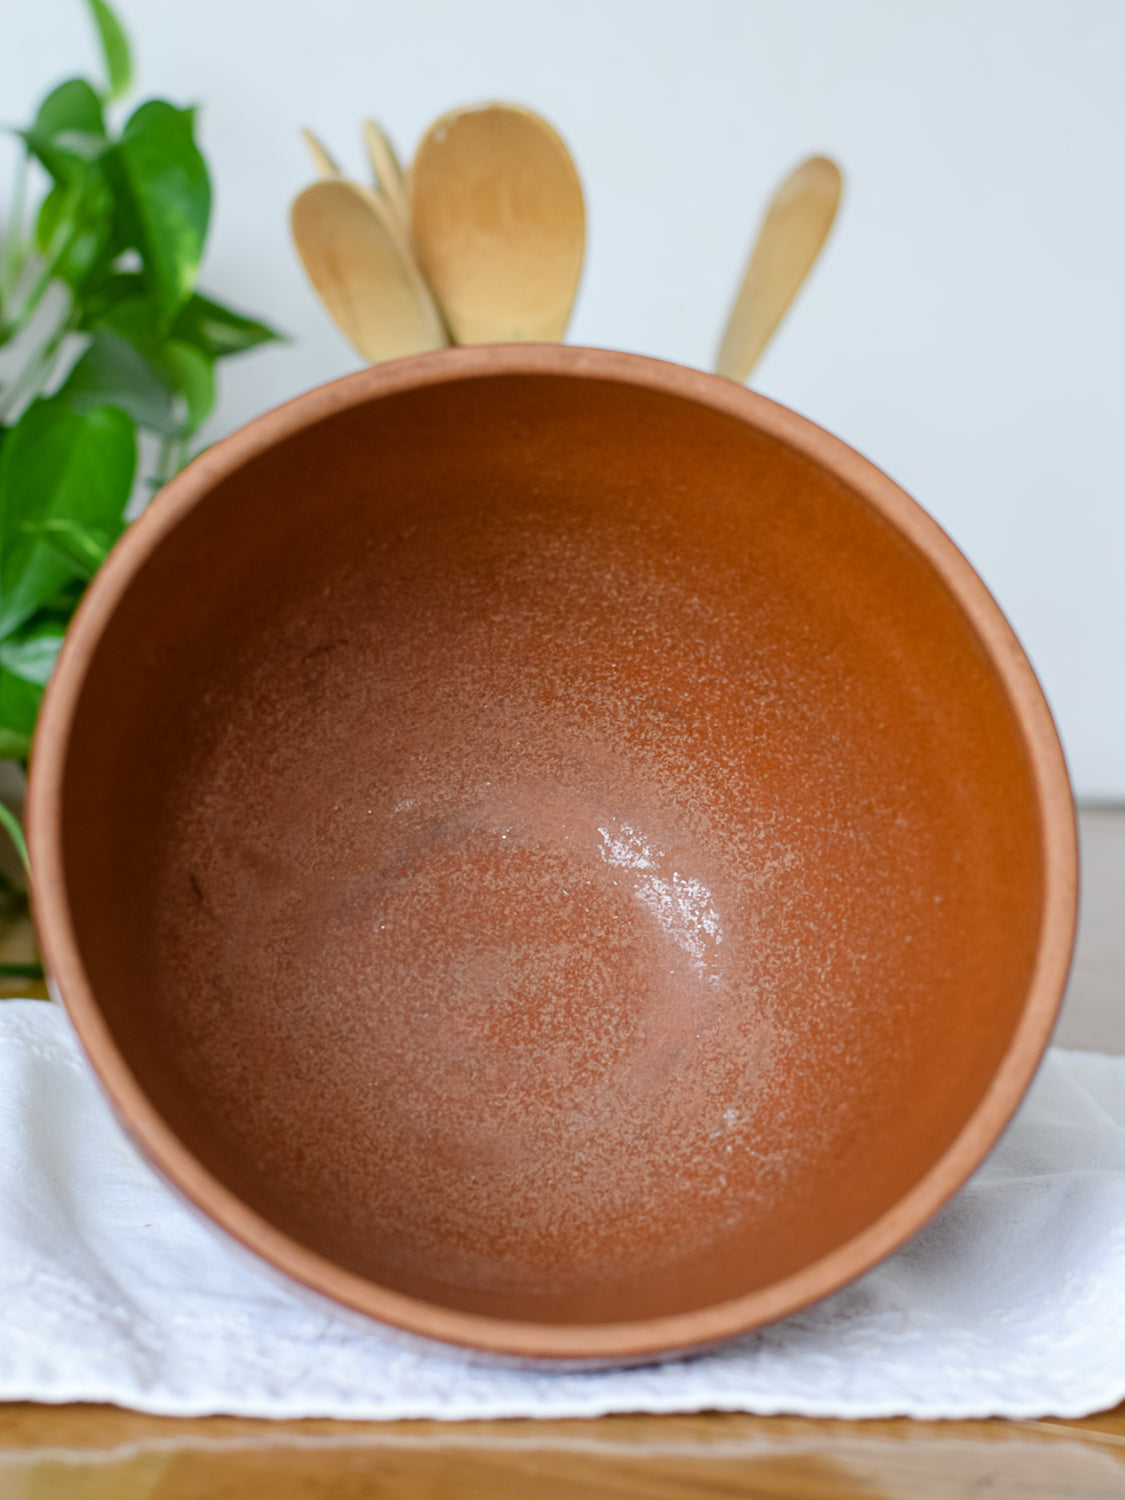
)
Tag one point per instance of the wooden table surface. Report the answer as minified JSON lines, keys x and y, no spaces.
{"x":102,"y":1453}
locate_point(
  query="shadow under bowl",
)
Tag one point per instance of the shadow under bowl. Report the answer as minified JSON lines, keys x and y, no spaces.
{"x":553,"y":851}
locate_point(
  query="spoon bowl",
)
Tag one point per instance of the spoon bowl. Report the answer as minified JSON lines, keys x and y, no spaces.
{"x":355,"y":255}
{"x":499,"y":224}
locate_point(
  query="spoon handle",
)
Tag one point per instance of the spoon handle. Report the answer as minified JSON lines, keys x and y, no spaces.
{"x":389,"y":193}
{"x":795,"y":228}
{"x":326,"y":168}
{"x":388,"y":171}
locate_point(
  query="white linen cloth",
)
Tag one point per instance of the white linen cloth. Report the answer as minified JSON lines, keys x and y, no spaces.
{"x":1011,"y":1302}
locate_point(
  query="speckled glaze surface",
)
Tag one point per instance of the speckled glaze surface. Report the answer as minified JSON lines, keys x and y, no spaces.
{"x":553,"y":851}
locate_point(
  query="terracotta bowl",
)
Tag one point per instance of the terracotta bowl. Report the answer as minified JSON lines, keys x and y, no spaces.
{"x":553,"y":851}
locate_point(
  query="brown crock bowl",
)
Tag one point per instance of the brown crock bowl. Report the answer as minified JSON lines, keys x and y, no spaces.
{"x":553,"y":851}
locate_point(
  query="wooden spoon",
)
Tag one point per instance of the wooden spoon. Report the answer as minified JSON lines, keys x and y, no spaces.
{"x":354,"y":255}
{"x":389,"y":186}
{"x":388,"y":172}
{"x":795,"y":227}
{"x":325,"y":165}
{"x":499,"y":223}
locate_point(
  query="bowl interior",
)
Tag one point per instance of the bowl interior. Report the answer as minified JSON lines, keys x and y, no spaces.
{"x":552,"y":848}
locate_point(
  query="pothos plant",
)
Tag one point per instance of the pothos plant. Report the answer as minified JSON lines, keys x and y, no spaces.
{"x":107,"y":351}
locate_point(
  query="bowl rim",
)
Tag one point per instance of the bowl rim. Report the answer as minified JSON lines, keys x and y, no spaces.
{"x":598,"y":1343}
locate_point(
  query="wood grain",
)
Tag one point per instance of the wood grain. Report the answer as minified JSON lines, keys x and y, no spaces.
{"x":90,"y":1452}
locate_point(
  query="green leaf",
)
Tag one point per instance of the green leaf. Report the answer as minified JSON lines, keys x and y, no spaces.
{"x":81,"y":547}
{"x":115,"y":47}
{"x":27,"y":660}
{"x":128,"y":364}
{"x":220,"y":331}
{"x":72,"y":106}
{"x":108,"y":293}
{"x":194,"y":376}
{"x":64,"y":601}
{"x":114,"y":372}
{"x":15,"y":833}
{"x":69,"y":130}
{"x":52,"y":211}
{"x":170,"y":196}
{"x":13,"y":746}
{"x":76,"y":222}
{"x":31,"y":652}
{"x":136,"y":319}
{"x":19,"y":703}
{"x":57,"y":463}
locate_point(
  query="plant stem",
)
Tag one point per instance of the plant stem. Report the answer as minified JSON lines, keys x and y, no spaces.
{"x":10,"y":824}
{"x":21,"y":971}
{"x":170,"y":459}
{"x":37,"y":372}
{"x":60,"y":244}
{"x":16,"y":325}
{"x":163,"y":464}
{"x":14,"y":246}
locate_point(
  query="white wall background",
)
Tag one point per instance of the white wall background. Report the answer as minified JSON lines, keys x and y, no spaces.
{"x":965,"y":328}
